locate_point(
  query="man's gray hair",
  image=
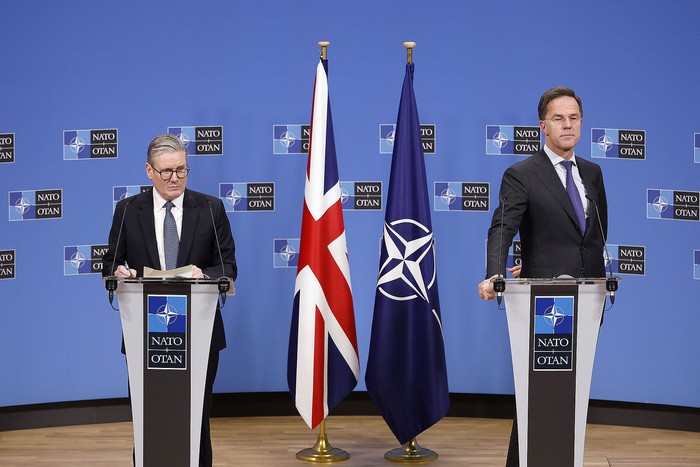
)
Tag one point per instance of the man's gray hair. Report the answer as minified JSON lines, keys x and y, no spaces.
{"x":164,"y":143}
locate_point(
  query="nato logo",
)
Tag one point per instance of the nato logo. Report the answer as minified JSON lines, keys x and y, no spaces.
{"x":290,"y":139}
{"x":285,"y":252}
{"x":696,"y":147}
{"x":7,"y":264}
{"x":83,"y":259}
{"x":121,"y":192}
{"x":167,"y":332}
{"x":247,"y":196}
{"x":89,"y":144}
{"x":7,"y":148}
{"x":618,"y":144}
{"x":513,"y":140}
{"x":696,"y":264}
{"x":461,"y":196}
{"x":626,"y":259}
{"x":36,"y":204}
{"x":386,"y":138}
{"x":554,"y":329}
{"x":200,"y":140}
{"x":361,"y":196}
{"x":673,"y":205}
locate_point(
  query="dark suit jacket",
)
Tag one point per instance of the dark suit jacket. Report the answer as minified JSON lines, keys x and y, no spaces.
{"x":198,"y":245}
{"x":536,"y":205}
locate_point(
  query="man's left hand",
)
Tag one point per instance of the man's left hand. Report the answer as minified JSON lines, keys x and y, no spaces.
{"x":197,"y":273}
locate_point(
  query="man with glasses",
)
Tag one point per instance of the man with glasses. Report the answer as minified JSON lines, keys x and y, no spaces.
{"x":550,"y":199}
{"x":169,"y":227}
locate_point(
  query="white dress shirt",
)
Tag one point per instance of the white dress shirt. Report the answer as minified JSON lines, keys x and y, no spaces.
{"x":159,"y":218}
{"x":561,"y":171}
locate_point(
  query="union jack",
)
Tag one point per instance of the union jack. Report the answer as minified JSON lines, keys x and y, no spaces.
{"x":323,"y":364}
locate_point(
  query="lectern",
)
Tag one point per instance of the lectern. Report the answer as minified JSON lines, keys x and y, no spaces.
{"x":167,"y":327}
{"x":553,"y":326}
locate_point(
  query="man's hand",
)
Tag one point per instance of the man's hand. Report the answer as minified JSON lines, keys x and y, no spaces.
{"x":123,"y":271}
{"x":515,"y":270}
{"x":486,"y":289}
{"x":197,"y":273}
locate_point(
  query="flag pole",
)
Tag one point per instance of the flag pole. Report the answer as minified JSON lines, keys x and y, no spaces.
{"x":322,"y":451}
{"x":409,"y":50}
{"x":411,"y":452}
{"x":324,"y":45}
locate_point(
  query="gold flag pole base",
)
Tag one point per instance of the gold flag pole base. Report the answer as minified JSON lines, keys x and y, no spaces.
{"x":411,"y":452}
{"x":322,"y":450}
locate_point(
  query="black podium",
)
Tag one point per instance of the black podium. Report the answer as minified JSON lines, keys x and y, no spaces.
{"x":167,"y":327}
{"x":553,"y":326}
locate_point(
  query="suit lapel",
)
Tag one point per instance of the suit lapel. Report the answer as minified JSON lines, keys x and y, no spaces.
{"x":190,"y":215}
{"x":148,"y":227}
{"x":549,"y":178}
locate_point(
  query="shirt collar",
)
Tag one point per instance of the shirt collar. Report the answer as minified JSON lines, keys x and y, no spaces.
{"x":159,"y":202}
{"x":556,"y":158}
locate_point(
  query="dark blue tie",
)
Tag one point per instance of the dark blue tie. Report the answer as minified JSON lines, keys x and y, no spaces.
{"x":171,"y":242}
{"x":574,"y":196}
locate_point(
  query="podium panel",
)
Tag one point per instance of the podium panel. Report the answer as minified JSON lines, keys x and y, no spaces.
{"x":167,"y":327}
{"x":553,"y":327}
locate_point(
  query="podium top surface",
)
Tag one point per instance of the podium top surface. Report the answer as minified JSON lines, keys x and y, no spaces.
{"x":167,"y":280}
{"x":559,"y":280}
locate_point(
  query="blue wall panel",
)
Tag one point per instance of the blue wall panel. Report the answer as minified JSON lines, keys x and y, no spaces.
{"x":141,"y":67}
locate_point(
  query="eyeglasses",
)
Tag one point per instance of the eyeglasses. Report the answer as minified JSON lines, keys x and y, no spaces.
{"x":560,"y":119}
{"x":167,"y":174}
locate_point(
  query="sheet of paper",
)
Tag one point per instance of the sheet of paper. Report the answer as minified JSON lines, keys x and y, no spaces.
{"x":183,"y":272}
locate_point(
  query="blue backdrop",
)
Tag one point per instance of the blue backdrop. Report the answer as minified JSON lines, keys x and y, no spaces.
{"x":142,"y":67}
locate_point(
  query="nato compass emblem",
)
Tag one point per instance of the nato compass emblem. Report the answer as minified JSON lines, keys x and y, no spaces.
{"x":285,"y":252}
{"x":554,"y":329}
{"x":290,"y":139}
{"x":673,"y":204}
{"x":167,"y":332}
{"x":513,"y":140}
{"x":408,"y":271}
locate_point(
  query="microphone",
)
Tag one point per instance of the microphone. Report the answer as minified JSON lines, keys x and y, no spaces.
{"x":111,"y":280}
{"x":224,"y":282}
{"x":499,"y":283}
{"x":610,"y":282}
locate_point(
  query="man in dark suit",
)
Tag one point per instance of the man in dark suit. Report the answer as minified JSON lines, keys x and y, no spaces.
{"x":550,"y":199}
{"x":143,"y":222}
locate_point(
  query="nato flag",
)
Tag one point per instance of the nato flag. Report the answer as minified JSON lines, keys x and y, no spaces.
{"x":406,"y":372}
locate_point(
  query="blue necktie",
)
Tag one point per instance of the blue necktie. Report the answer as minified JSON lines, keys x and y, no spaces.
{"x":574,"y":196}
{"x":171,"y":242}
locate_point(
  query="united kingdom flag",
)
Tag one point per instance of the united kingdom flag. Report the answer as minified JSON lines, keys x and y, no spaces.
{"x":323,"y":365}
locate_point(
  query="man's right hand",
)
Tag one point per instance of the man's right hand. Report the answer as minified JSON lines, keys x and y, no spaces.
{"x":123,"y":271}
{"x":485,"y":288}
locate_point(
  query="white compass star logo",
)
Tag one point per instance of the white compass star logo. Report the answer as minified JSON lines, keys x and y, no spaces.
{"x":605,"y":143}
{"x":403,"y":263}
{"x":660,"y":204}
{"x":234,"y":197}
{"x":553,"y":315}
{"x":22,"y":205}
{"x":77,"y":260}
{"x":344,"y":195}
{"x":448,"y":196}
{"x":287,"y":139}
{"x":167,"y":314}
{"x":77,"y":144}
{"x":287,"y":252}
{"x":390,"y":138}
{"x":500,"y":140}
{"x":184,"y":139}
